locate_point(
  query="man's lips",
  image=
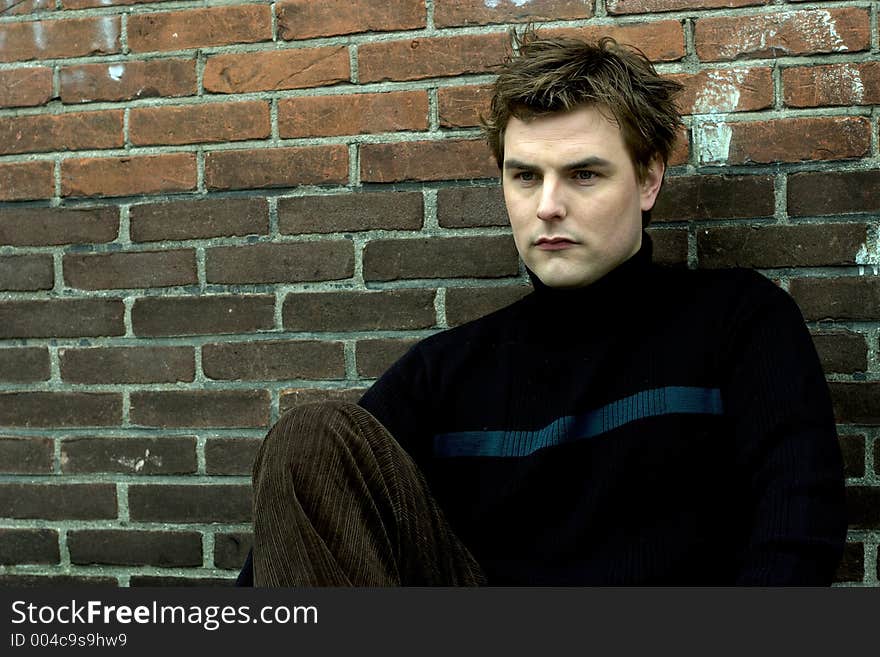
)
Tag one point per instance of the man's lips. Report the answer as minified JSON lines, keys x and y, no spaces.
{"x":554,"y":243}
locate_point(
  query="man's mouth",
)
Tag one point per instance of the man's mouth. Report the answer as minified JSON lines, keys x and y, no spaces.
{"x":554,"y":243}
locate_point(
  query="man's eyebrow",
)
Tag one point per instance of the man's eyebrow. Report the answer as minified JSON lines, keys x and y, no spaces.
{"x":571,"y":166}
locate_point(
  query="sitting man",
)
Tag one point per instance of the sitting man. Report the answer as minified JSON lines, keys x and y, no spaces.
{"x":625,"y":423}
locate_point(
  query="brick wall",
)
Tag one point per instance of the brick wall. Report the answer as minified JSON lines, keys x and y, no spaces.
{"x":211,"y":211}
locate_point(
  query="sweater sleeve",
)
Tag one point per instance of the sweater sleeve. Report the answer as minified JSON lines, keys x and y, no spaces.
{"x":787,"y":452}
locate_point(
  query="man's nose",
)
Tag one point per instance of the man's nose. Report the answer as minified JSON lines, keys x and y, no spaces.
{"x":552,"y":204}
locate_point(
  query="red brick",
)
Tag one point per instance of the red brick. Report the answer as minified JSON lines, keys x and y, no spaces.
{"x":845,"y":298}
{"x":461,"y":107}
{"x":725,"y":90}
{"x":71,"y":131}
{"x":230,"y":550}
{"x":274,"y":360}
{"x":274,"y":70}
{"x":464,"y":304}
{"x":427,"y":160}
{"x":670,"y":245}
{"x":293,"y":397}
{"x":803,"y":32}
{"x":127,"y":364}
{"x":832,"y":84}
{"x":788,"y":140}
{"x":660,"y":41}
{"x":189,"y":503}
{"x":200,"y":408}
{"x":280,"y":263}
{"x":101,"y":271}
{"x":351,"y":212}
{"x":158,"y":316}
{"x":60,"y":409}
{"x":24,"y":365}
{"x":131,"y":547}
{"x":25,"y":87}
{"x":26,"y":455}
{"x":24,"y":181}
{"x":276,"y":167}
{"x":198,"y":28}
{"x":306,"y":19}
{"x":376,"y":356}
{"x":430,"y":57}
{"x":132,"y":455}
{"x":357,"y":114}
{"x":359,"y":311}
{"x":127,"y":176}
{"x":58,"y":501}
{"x":191,"y":124}
{"x":691,"y":198}
{"x":863,"y":507}
{"x":29,"y":546}
{"x":61,"y":318}
{"x":83,"y":83}
{"x":85,"y":4}
{"x":842,"y":352}
{"x":681,"y":148}
{"x":231,"y":456}
{"x":617,"y":7}
{"x":54,"y":226}
{"x":467,"y":207}
{"x":810,"y":245}
{"x":834,"y":192}
{"x":21,"y":7}
{"x":31,"y":271}
{"x":852,"y":449}
{"x":51,"y":39}
{"x":852,"y":566}
{"x":186,"y":220}
{"x":440,"y":257}
{"x":480,"y":12}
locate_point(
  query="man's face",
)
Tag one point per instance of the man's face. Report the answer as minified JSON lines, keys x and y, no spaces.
{"x":573,"y":197}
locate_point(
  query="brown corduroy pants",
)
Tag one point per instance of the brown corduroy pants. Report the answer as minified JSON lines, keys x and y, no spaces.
{"x":338,"y":502}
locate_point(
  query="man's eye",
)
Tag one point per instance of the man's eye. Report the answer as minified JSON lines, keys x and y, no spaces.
{"x":584,"y":175}
{"x":526,"y":176}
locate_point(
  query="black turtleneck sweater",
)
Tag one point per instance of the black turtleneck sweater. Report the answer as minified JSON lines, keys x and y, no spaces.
{"x":659,"y":426}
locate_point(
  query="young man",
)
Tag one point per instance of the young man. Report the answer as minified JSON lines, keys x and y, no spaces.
{"x":623,"y":424}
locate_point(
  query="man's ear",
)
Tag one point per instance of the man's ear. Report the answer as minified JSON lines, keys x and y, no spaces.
{"x":650,"y":186}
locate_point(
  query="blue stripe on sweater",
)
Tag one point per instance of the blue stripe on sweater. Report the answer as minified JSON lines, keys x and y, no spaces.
{"x":515,"y":442}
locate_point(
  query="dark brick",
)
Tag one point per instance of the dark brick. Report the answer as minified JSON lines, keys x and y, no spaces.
{"x":852,"y":567}
{"x":53,"y":226}
{"x":714,"y":197}
{"x":466,"y":207}
{"x":448,"y":159}
{"x":293,"y":397}
{"x":811,"y":245}
{"x":464,"y":304}
{"x":863,"y":507}
{"x":876,"y":456}
{"x":274,"y":360}
{"x":100,"y":271}
{"x":842,"y":352}
{"x":440,"y":257}
{"x":61,"y":318}
{"x":60,"y":409}
{"x":855,"y":297}
{"x":305,"y":19}
{"x":111,"y":81}
{"x":376,"y":356}
{"x":55,"y":581}
{"x":24,"y":365}
{"x":155,"y":316}
{"x":29,"y":546}
{"x":58,"y":501}
{"x":200,"y":408}
{"x":26,"y":455}
{"x":176,"y":582}
{"x":359,"y":311}
{"x":351,"y":212}
{"x":189,"y":503}
{"x":280,"y":263}
{"x":128,"y":547}
{"x":230,"y":550}
{"x":127,"y":364}
{"x":31,"y":271}
{"x":269,"y":70}
{"x":25,"y":87}
{"x":856,"y":403}
{"x":231,"y":456}
{"x":670,"y":245}
{"x":132,"y":455}
{"x":276,"y":167}
{"x":853,"y":450}
{"x":25,"y":181}
{"x":823,"y":193}
{"x":186,"y":220}
{"x":462,"y":107}
{"x":481,"y":12}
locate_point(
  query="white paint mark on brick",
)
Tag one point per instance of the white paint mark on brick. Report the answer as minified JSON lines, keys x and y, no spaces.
{"x":116,"y":71}
{"x":109,"y":33}
{"x":824,"y":29}
{"x":715,"y":143}
{"x":39,"y":35}
{"x":869,"y":252}
{"x":720,"y":93}
{"x":137,"y":464}
{"x":492,"y":4}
